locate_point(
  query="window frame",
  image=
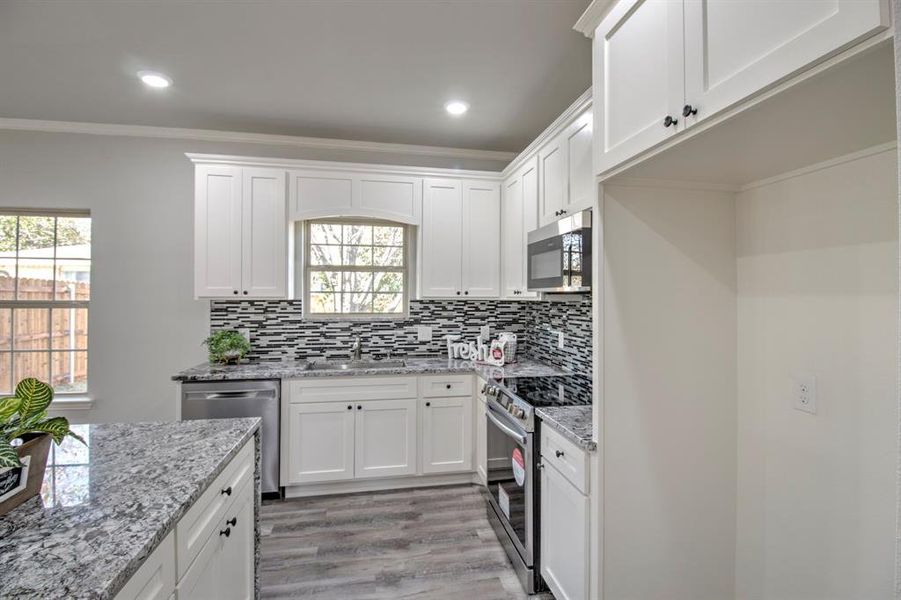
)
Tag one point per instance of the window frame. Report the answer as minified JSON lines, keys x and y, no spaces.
{"x":405,"y":270}
{"x":49,"y":305}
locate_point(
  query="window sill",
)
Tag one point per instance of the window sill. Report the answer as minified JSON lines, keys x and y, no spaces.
{"x":72,"y":403}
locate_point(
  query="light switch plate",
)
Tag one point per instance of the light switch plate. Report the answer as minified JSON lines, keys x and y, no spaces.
{"x":423,"y":333}
{"x":485,"y":332}
{"x":560,"y":340}
{"x":804,"y":393}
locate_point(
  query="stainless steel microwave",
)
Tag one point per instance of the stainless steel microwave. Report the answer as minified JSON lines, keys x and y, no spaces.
{"x":559,"y":255}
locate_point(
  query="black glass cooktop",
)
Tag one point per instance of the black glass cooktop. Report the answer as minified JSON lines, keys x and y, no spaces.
{"x":550,"y":391}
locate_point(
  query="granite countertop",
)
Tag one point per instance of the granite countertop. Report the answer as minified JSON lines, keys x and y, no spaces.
{"x":574,"y":422}
{"x":414,"y":366}
{"x":106,"y":506}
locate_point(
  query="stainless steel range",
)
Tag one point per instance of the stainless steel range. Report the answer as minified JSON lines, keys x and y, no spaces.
{"x":512,"y":491}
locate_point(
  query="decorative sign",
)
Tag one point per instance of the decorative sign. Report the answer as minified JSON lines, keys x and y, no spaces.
{"x":478,"y":351}
{"x":504,"y":500}
{"x":519,"y":467}
{"x":14,"y":479}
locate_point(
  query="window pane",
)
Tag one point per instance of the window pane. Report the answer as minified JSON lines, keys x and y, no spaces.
{"x":73,"y":280}
{"x":8,"y":225}
{"x":388,"y":282}
{"x":68,"y":328}
{"x":325,"y":233}
{"x":7,"y":278}
{"x":6,"y":328}
{"x":389,"y":257}
{"x":357,"y":281}
{"x":35,"y":279}
{"x":388,"y":303}
{"x":388,"y":236}
{"x":325,"y":281}
{"x":6,"y":365}
{"x":73,"y":237}
{"x":359,"y":235}
{"x":358,"y":256}
{"x":36,"y":237}
{"x":325,"y":255}
{"x":360,"y":302}
{"x":31,"y":364}
{"x":32,"y":329}
{"x":70,"y":372}
{"x":325,"y":303}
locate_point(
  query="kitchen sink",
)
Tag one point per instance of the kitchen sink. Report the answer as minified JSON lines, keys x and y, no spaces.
{"x":328,"y":365}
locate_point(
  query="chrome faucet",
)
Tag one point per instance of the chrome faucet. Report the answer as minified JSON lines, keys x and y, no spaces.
{"x":356,"y":349}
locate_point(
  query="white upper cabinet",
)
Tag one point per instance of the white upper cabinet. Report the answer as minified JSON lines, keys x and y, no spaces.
{"x":481,"y":239}
{"x":662,"y":65}
{"x":735,"y":48}
{"x":240,"y":233}
{"x":552,"y":166}
{"x":460,"y":247}
{"x":565,"y":171}
{"x":519,"y":214}
{"x":334,"y":193}
{"x":638,"y":78}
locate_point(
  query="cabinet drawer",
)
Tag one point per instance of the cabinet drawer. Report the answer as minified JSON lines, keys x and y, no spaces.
{"x":155,"y":580}
{"x":350,"y":389}
{"x":566,"y":457}
{"x":202,"y":519}
{"x":445,"y":386}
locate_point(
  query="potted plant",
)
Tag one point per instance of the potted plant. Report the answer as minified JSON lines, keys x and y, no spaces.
{"x":25,"y":436}
{"x":227,"y":346}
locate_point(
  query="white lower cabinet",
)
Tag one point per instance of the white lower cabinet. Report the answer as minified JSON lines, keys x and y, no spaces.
{"x":481,"y":439}
{"x":385,"y":438}
{"x":447,"y":434}
{"x":320,"y":442}
{"x":564,"y":536}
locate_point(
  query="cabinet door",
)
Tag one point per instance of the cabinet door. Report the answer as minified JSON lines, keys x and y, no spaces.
{"x":317,"y":194}
{"x":237,"y":558}
{"x":441,"y":254}
{"x":564,"y":536}
{"x":481,"y":239}
{"x":265,"y":235}
{"x":390,"y":197}
{"x":320,"y":442}
{"x":552,"y":180}
{"x":735,"y":48}
{"x":580,"y":174}
{"x":202,"y":581}
{"x":155,"y":579}
{"x":481,"y":433}
{"x":519,"y":212}
{"x":447,"y":435}
{"x":385,"y":438}
{"x":217,"y":231}
{"x":638,"y":78}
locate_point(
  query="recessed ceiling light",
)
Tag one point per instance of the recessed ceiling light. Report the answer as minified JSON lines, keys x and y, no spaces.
{"x":154,"y":79}
{"x":456,"y":107}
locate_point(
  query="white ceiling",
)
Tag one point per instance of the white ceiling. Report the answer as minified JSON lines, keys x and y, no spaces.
{"x":375,"y":70}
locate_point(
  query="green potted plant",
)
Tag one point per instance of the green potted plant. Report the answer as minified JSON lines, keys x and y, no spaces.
{"x":25,"y":436}
{"x":227,"y":346}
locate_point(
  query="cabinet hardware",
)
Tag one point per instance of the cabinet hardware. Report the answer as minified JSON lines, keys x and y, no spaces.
{"x":539,"y":465}
{"x":559,"y":453}
{"x":226,"y":491}
{"x":448,"y":386}
{"x":563,"y":212}
{"x":466,"y":292}
{"x":350,"y":407}
{"x":669,"y":121}
{"x":688,"y":110}
{"x":428,"y":403}
{"x":233,"y":521}
{"x":359,"y":407}
{"x":458,"y":292}
{"x":226,"y":532}
{"x":245,"y":292}
{"x":236,"y":292}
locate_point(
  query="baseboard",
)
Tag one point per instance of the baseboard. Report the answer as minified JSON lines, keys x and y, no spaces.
{"x":375,"y":485}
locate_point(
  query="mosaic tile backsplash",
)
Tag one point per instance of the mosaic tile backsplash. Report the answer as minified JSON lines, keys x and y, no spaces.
{"x":278,"y":330}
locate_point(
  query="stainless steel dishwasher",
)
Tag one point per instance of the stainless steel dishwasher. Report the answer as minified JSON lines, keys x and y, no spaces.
{"x":231,"y":399}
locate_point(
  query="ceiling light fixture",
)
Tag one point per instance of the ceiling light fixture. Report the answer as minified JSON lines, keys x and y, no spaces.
{"x":154,"y":80}
{"x":456,"y":107}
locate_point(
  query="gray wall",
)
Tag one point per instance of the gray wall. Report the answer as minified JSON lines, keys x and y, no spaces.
{"x":144,"y":323}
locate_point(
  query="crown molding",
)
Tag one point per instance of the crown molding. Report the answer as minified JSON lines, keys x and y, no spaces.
{"x":344,"y":167}
{"x":592,"y":17}
{"x":211,"y":135}
{"x":573,"y":111}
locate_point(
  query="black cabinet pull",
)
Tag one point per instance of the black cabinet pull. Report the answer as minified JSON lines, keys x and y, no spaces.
{"x":359,"y":407}
{"x":458,"y":292}
{"x":233,"y":521}
{"x":245,"y":292}
{"x":350,"y":407}
{"x":226,"y":532}
{"x":669,"y":121}
{"x":448,"y":386}
{"x":559,"y":453}
{"x":428,"y":403}
{"x":226,"y":491}
{"x":563,"y":212}
{"x":688,"y":110}
{"x":466,"y":292}
{"x":236,"y":292}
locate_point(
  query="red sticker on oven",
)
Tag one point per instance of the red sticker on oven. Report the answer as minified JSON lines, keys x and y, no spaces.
{"x":519,"y":467}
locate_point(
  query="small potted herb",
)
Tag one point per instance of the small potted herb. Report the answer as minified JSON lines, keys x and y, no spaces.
{"x":25,"y":435}
{"x":227,"y":346}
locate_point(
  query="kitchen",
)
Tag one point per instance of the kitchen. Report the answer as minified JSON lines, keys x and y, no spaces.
{"x":629,"y":335}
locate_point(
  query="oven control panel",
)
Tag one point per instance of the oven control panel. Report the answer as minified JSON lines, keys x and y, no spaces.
{"x":515,"y":406}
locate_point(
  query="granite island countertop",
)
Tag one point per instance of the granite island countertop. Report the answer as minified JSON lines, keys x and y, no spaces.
{"x":291,"y":369}
{"x":106,"y":506}
{"x":573,"y":421}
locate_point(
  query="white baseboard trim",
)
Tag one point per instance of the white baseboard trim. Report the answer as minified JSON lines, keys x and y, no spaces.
{"x":375,"y":485}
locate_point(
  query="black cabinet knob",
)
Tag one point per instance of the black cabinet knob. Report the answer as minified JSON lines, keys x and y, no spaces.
{"x":466,"y":292}
{"x":233,"y":521}
{"x":688,"y":110}
{"x":448,"y":386}
{"x":669,"y":121}
{"x":245,"y":292}
{"x":559,"y":453}
{"x":563,"y":212}
{"x":226,"y":491}
{"x":236,"y":292}
{"x":458,"y":292}
{"x":226,"y":532}
{"x":350,"y":407}
{"x":428,"y":403}
{"x":359,"y":407}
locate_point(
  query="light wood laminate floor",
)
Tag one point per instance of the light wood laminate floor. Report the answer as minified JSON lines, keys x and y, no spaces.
{"x":433,"y":543}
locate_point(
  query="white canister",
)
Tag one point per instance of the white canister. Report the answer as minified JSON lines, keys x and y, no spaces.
{"x":510,"y":349}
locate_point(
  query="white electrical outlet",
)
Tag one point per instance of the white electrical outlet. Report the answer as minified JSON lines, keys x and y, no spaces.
{"x":560,"y":340}
{"x":423,"y":333}
{"x":485,"y":332}
{"x":245,"y":332}
{"x":804,"y":393}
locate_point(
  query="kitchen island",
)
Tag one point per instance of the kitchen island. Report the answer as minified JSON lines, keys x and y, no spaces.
{"x":130,"y":497}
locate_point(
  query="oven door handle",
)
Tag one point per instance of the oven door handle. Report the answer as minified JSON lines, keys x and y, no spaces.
{"x":507,"y":429}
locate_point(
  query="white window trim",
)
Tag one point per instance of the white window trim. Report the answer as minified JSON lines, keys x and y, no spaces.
{"x":406,"y":270}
